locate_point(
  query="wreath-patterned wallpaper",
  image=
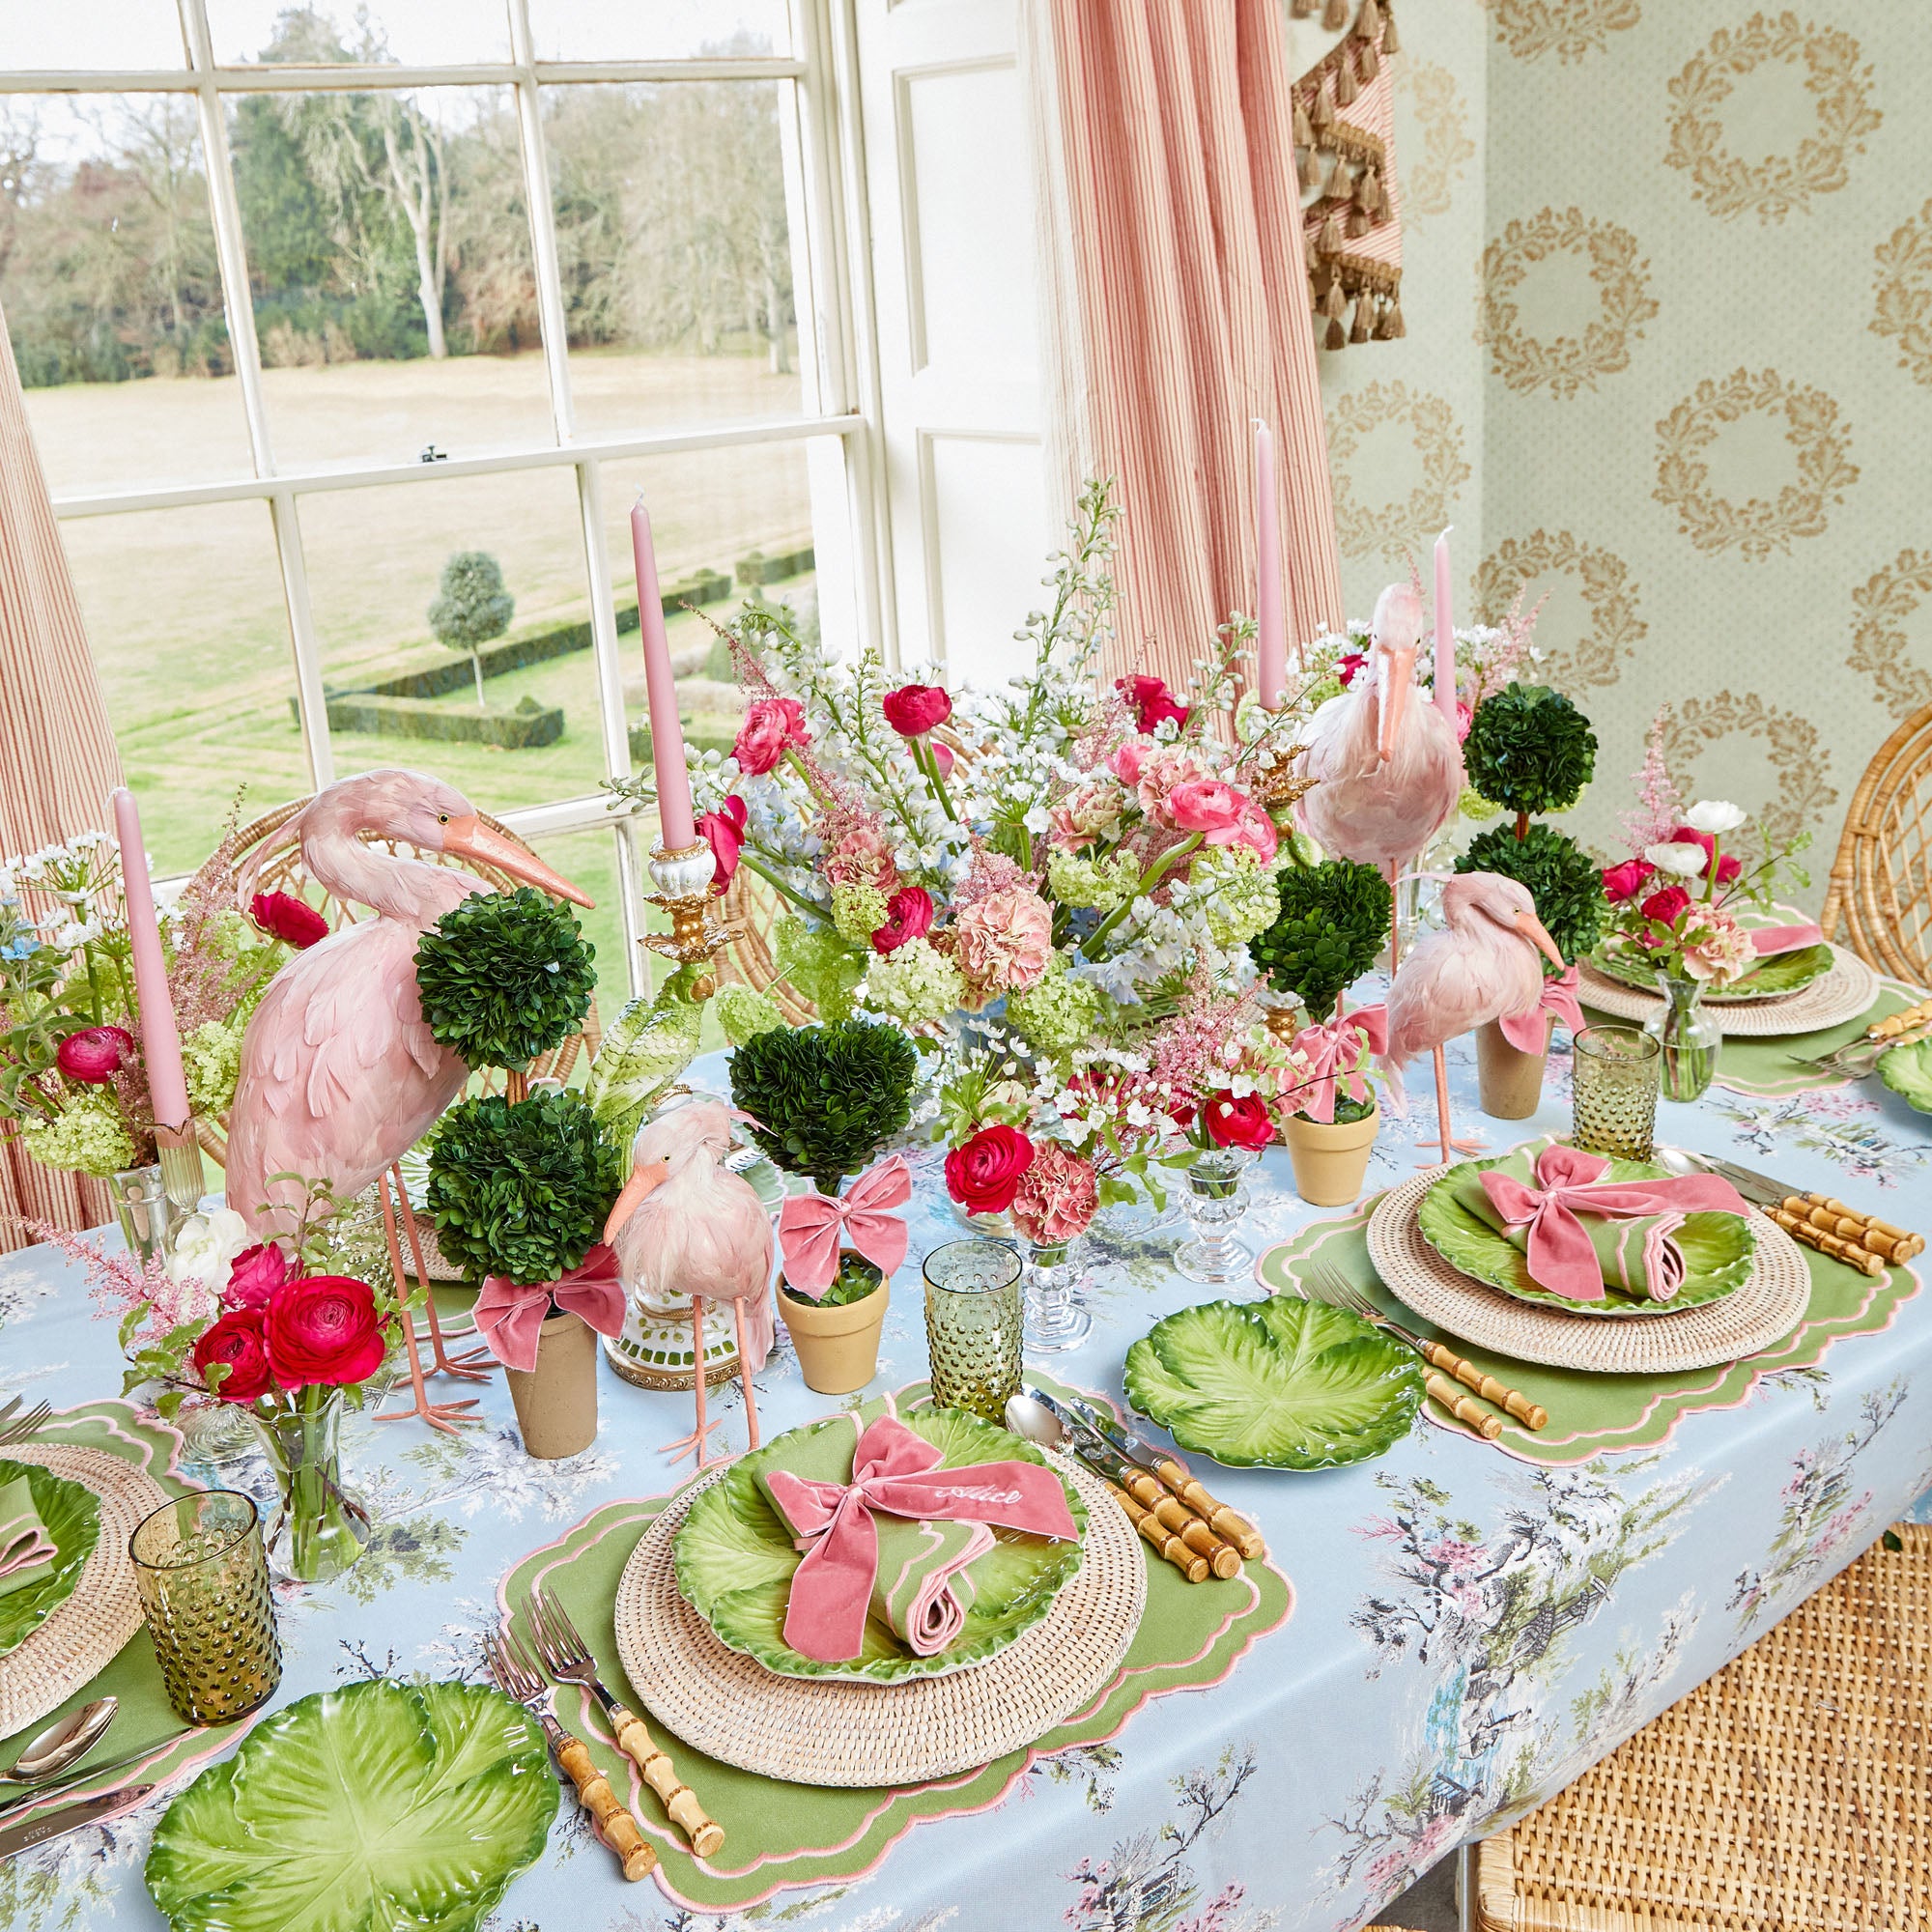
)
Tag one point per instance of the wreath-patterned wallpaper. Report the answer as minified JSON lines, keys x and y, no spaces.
{"x":1669,"y":289}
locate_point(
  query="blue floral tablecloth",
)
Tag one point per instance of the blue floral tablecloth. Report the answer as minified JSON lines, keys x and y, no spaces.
{"x":1470,"y":1631}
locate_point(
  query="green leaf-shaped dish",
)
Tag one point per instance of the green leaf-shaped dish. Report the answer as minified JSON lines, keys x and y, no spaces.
{"x":70,"y":1513}
{"x":735,"y":1558}
{"x":1284,"y":1383}
{"x":1717,"y":1251}
{"x":1772,"y":979}
{"x":1908,"y":1071}
{"x":381,"y":1806}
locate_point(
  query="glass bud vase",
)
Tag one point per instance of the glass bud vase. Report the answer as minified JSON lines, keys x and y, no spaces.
{"x":1689,"y":1035}
{"x":1055,"y":1318}
{"x":319,"y":1530}
{"x":1215,"y":1203}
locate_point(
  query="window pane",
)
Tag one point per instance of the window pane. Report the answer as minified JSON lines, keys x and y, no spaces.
{"x":590,"y":30}
{"x":186,"y":622}
{"x":389,"y":264}
{"x":112,"y":293}
{"x":417,"y":32}
{"x":674,"y":251}
{"x":376,"y":565}
{"x":589,"y":860}
{"x":103,"y":34}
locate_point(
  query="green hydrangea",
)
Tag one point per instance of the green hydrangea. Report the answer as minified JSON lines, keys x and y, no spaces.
{"x":211,"y":1057}
{"x":90,"y":1136}
{"x":914,"y":983}
{"x":820,"y":964}
{"x":1241,"y":900}
{"x":1055,"y":1015}
{"x":744,"y":1012}
{"x":1473,"y":804}
{"x":1102,"y":883}
{"x":858,"y":912}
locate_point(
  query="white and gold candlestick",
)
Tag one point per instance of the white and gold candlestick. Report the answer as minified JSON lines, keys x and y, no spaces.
{"x":683,"y":880}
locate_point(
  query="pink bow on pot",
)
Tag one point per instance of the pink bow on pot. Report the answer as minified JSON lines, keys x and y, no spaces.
{"x":812,"y":1227}
{"x":1528,"y":1032}
{"x":1335,"y":1054}
{"x":509,"y":1316}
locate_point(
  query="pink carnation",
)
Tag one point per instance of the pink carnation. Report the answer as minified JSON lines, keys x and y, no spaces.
{"x":1057,"y":1195}
{"x":1165,"y":769}
{"x":1005,"y":940}
{"x":1723,"y":952}
{"x":863,"y":857}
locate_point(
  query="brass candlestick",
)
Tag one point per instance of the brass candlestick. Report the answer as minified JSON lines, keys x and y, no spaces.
{"x":696,"y":932}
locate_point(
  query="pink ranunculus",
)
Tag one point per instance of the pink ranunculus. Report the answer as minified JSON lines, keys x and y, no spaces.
{"x":1466,"y":716}
{"x":323,"y":1328}
{"x":724,"y":830}
{"x":1056,"y":1196}
{"x":915,"y":709}
{"x":908,"y":916}
{"x":1665,"y":903}
{"x":1126,"y":761}
{"x":1623,"y":882}
{"x":1254,"y":832}
{"x":1347,"y":666}
{"x":770,"y":726}
{"x":284,"y":916}
{"x":1729,"y":866}
{"x":254,"y":1275}
{"x":983,"y":1174}
{"x":1005,"y":941}
{"x":1152,"y":703}
{"x":95,"y":1055}
{"x":1204,"y":804}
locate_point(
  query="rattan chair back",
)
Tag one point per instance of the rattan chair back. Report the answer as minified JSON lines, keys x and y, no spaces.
{"x":1881,"y":888}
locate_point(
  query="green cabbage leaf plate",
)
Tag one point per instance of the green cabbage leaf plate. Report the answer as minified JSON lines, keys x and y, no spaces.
{"x":735,"y":1558}
{"x":1908,"y":1071}
{"x":1282,"y":1384}
{"x":1719,"y":1251}
{"x":381,"y":1806}
{"x":1771,"y":978}
{"x":70,"y":1513}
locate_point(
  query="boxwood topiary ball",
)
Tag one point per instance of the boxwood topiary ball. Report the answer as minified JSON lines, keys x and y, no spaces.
{"x":1562,"y":878}
{"x":1334,"y":920}
{"x":826,"y":1097}
{"x":504,"y":976}
{"x":1529,"y":750}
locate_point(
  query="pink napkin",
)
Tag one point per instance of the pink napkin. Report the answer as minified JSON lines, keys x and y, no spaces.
{"x":1768,"y":941}
{"x":1528,"y":1032}
{"x":811,"y":1226}
{"x":1335,"y":1054}
{"x":509,"y":1314}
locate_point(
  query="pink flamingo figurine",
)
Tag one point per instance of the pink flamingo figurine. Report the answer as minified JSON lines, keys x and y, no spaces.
{"x":1389,"y":774}
{"x":339,"y":1074}
{"x":686,"y":1223}
{"x":1482,"y":967}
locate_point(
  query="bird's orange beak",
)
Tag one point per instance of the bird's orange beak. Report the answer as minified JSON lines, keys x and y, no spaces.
{"x":471,"y":838}
{"x":1392,"y":688}
{"x":1537,"y":933}
{"x":641,"y":1181}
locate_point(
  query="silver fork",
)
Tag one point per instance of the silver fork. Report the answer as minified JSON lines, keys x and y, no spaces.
{"x":567,"y":1658}
{"x":519,"y":1678}
{"x":24,"y":1426}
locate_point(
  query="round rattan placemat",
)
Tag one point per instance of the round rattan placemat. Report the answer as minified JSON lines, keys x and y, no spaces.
{"x":1766,"y":1308}
{"x":80,"y":1636}
{"x":1842,"y":994}
{"x":812,"y":1732}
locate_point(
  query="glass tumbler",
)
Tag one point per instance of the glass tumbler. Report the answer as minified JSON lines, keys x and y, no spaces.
{"x":973,"y":1327}
{"x":1613,"y":1087}
{"x":204,"y":1583}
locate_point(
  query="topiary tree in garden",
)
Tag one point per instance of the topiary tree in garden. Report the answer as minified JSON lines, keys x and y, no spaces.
{"x":471,"y":607}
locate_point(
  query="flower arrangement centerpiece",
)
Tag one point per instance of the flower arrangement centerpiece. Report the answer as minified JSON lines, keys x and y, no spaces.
{"x":1674,"y":910}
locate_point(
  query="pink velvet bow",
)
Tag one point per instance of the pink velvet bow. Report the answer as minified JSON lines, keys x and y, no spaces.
{"x":896,"y":1472}
{"x":1767,"y":941}
{"x":509,"y":1316}
{"x":1529,"y":1033}
{"x":1335,"y":1053}
{"x":812,"y":1226}
{"x":1561,"y":1257}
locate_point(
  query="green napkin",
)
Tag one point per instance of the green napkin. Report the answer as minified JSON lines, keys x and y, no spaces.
{"x":26,"y":1552}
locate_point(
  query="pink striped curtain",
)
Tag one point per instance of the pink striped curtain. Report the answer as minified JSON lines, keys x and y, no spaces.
{"x":57,"y":756}
{"x":1173,"y":150}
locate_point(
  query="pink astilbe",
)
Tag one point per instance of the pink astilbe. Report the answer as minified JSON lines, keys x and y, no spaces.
{"x":1195,"y":1051}
{"x":119,"y":1282}
{"x":992,"y":873}
{"x":1659,"y":808}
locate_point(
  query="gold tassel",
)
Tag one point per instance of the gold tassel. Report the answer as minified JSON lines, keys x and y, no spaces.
{"x":1304,"y":129}
{"x":1392,"y":325}
{"x":1303,"y":8}
{"x":1369,"y":22}
{"x":1336,"y":17}
{"x":1359,"y":224}
{"x":1344,"y":84}
{"x":1335,"y":303}
{"x":1337,"y":337}
{"x":1369,"y":192}
{"x":1359,"y":332}
{"x":1321,"y":115}
{"x":1390,"y":45}
{"x":1329,"y":241}
{"x":1370,"y":66}
{"x":1310,"y":168}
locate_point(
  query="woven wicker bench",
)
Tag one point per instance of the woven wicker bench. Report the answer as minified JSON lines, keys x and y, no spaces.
{"x":1792,"y":1792}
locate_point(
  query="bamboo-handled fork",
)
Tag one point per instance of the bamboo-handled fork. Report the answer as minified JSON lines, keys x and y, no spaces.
{"x":1862,"y":1054}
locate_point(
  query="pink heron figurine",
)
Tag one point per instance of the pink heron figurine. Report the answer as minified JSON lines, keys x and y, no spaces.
{"x":1482,"y":967}
{"x":339,"y":1074}
{"x":686,"y":1223}
{"x":1389,"y":772}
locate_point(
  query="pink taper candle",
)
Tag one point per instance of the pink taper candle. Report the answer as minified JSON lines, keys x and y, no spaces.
{"x":160,"y":1037}
{"x":674,"y":820}
{"x":1445,"y":632}
{"x":1270,"y":628}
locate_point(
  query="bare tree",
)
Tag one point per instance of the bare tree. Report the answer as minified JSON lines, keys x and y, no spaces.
{"x":413,"y":146}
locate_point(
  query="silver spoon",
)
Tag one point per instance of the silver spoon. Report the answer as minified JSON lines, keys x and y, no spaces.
{"x":63,"y":1742}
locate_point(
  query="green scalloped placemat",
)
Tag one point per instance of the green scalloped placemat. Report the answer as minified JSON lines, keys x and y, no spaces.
{"x":144,"y":1722}
{"x":777,"y":1835}
{"x":1589,"y":1413}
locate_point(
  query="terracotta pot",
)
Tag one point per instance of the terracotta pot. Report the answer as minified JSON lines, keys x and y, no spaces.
{"x":1510,"y":1080}
{"x":838,"y":1347}
{"x":557,"y":1400}
{"x":1330,"y":1161}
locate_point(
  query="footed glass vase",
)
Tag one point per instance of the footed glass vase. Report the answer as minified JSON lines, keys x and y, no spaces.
{"x":1215,"y":1201}
{"x":320,"y":1529}
{"x":1056,"y":1319}
{"x":1689,"y":1035}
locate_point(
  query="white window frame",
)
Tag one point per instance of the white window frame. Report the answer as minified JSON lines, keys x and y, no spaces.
{"x":824,"y":177}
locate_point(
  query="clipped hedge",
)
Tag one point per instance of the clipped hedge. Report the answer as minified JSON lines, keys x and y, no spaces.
{"x":528,"y":727}
{"x":755,"y":567}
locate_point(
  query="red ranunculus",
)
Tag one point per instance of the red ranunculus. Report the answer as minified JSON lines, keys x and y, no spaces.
{"x":1665,"y":903}
{"x":254,"y":1275}
{"x":915,"y":709}
{"x":908,"y":916}
{"x":982,"y":1175}
{"x":1243,"y":1122}
{"x":1626,"y":881}
{"x":323,"y":1328}
{"x":1151,"y":700}
{"x":95,"y":1055}
{"x":1349,"y":665}
{"x":724,"y":831}
{"x":238,"y":1341}
{"x":770,"y":727}
{"x":282,"y":915}
{"x":1728,"y":866}
{"x":1206,"y":805}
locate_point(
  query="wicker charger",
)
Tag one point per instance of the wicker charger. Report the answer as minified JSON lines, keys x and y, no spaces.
{"x":815,"y":1731}
{"x":1767,"y":1307}
{"x":81,"y":1636}
{"x":1845,"y":992}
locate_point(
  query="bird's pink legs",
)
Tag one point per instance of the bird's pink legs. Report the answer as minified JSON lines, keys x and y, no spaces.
{"x":443,"y":1415}
{"x":1394,"y":922}
{"x":462,"y":1367}
{"x":695,"y":1443}
{"x":1447,"y":1144}
{"x":744,"y":1376}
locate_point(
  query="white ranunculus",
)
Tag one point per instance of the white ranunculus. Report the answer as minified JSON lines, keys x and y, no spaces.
{"x":207,"y":1245}
{"x":1716,"y":816}
{"x":1678,"y":857}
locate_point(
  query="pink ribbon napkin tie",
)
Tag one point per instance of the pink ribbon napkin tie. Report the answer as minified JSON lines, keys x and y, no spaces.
{"x":1528,"y":1032}
{"x":812,"y":1227}
{"x":1335,"y":1054}
{"x":510,"y":1315}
